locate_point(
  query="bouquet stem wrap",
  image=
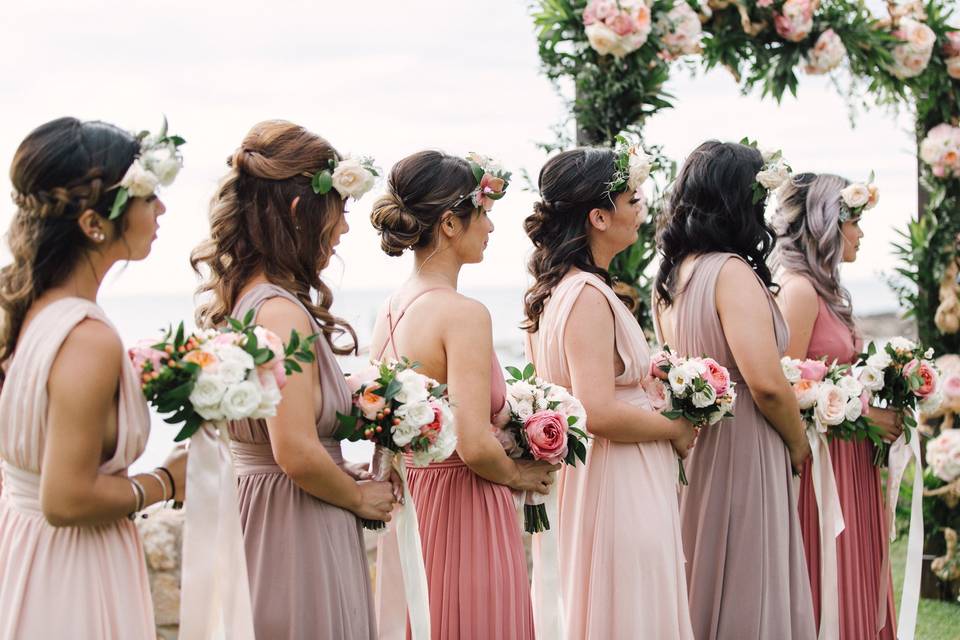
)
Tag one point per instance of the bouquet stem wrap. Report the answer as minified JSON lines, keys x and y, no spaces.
{"x":830,"y":518}
{"x":215,"y":597}
{"x":400,"y":550}
{"x":549,"y":617}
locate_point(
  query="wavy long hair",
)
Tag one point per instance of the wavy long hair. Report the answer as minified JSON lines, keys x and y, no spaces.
{"x":253,"y":227}
{"x":710,"y":210}
{"x":61,"y":169}
{"x":810,"y":243}
{"x":572,"y":184}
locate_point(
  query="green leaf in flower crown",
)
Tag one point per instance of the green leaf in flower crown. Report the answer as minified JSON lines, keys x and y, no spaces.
{"x":119,"y":202}
{"x":322,"y":182}
{"x":477,"y":172}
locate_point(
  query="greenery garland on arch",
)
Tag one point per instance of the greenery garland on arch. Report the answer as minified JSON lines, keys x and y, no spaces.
{"x":618,"y":55}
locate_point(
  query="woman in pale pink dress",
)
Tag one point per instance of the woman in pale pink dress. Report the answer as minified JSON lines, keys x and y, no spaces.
{"x":72,"y":416}
{"x":815,"y":235}
{"x":621,"y":558}
{"x":475,"y":565}
{"x":270,"y":235}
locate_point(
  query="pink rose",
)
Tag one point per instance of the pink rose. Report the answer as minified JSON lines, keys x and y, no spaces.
{"x":143,"y":352}
{"x":716,"y":376}
{"x":362,"y":377}
{"x":370,"y":403}
{"x":656,"y":393}
{"x":864,"y":403}
{"x":928,"y":377}
{"x":659,"y":358}
{"x":547,"y":436}
{"x":813,"y":370}
{"x":621,"y":24}
{"x":432,"y":431}
{"x":603,"y":9}
{"x":230,"y":337}
{"x":952,"y":48}
{"x":951,"y":386}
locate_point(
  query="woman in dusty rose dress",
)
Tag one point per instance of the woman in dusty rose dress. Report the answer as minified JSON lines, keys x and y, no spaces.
{"x":621,"y":558}
{"x":475,"y":565}
{"x":815,"y":235}
{"x":746,"y":573}
{"x":299,"y":502}
{"x":72,"y":416}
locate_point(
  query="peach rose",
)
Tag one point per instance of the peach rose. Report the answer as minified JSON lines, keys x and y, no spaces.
{"x":370,"y":403}
{"x":928,"y":377}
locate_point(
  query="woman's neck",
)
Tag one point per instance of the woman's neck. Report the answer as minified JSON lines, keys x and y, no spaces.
{"x":438,"y":269}
{"x":85,"y":279}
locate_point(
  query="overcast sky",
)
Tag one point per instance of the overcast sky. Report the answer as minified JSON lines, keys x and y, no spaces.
{"x":384,"y":79}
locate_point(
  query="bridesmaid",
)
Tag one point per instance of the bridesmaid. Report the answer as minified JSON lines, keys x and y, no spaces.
{"x":815,"y":235}
{"x":270,"y":236}
{"x":621,"y":558}
{"x":475,"y":564}
{"x":72,"y":416}
{"x":741,"y":535}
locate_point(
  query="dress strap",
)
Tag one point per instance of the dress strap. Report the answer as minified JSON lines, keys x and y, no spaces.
{"x":392,"y":324}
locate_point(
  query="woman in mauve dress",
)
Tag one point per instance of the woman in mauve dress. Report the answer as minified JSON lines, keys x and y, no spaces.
{"x":816,"y":234}
{"x":621,"y":557}
{"x":474,"y":557}
{"x":270,"y":235}
{"x":746,"y":574}
{"x":72,"y":415}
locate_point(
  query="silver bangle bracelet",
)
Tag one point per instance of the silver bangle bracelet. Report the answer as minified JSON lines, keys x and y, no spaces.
{"x":137,"y":498}
{"x":142,"y":494}
{"x":163,"y":485}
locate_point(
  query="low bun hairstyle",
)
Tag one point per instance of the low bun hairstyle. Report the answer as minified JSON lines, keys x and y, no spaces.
{"x":420,"y":188}
{"x":711,"y":210}
{"x":61,"y":169}
{"x":252,"y":227}
{"x":810,"y":243}
{"x":572,"y":184}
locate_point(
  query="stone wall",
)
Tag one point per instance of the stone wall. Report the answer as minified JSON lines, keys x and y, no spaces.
{"x":162,"y":535}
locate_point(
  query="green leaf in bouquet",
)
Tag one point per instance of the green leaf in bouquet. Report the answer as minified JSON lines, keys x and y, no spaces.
{"x":515,"y":373}
{"x":293,"y":343}
{"x":347,"y":427}
{"x":580,"y":450}
{"x":252,"y":344}
{"x":291,"y":366}
{"x":438,"y":391}
{"x":248,"y":317}
{"x":179,"y":416}
{"x":178,"y":341}
{"x":262,"y":356}
{"x":303,"y":356}
{"x":571,"y":420}
{"x":908,"y":421}
{"x":579,"y":432}
{"x":193,"y":423}
{"x":529,"y":372}
{"x":392,"y":389}
{"x":236,"y":325}
{"x":673,"y":414}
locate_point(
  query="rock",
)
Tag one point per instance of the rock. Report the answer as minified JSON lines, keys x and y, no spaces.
{"x":165,"y":588}
{"x":161,"y":533}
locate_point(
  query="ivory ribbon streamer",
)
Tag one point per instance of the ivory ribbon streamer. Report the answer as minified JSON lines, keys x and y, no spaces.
{"x":215,"y":596}
{"x":901,"y":454}
{"x":830,"y":518}
{"x":549,"y":616}
{"x":400,"y":549}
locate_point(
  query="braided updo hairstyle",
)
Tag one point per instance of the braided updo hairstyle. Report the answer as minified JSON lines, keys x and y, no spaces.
{"x":572,"y":184}
{"x":253,"y":229}
{"x":420,"y":188}
{"x":60,"y":170}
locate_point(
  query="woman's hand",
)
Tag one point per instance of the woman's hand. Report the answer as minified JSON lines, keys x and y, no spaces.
{"x":799,"y":454}
{"x":358,"y":470}
{"x":688,"y":436}
{"x":890,"y":422}
{"x":376,"y":500}
{"x":534,"y":476}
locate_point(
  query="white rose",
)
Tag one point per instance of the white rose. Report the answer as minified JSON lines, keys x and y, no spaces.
{"x":931,"y":403}
{"x":233,"y":353}
{"x":207,"y":391}
{"x":928,"y":354}
{"x":850,"y":386}
{"x":880,"y":360}
{"x":715,"y":417}
{"x":855,"y":195}
{"x":791,"y":369}
{"x":639,"y":168}
{"x":241,"y":400}
{"x":404,"y":432}
{"x":705,"y":397}
{"x":417,"y":414}
{"x":680,"y":380}
{"x":854,"y":409}
{"x":351,"y":179}
{"x":902,"y":345}
{"x":413,"y":387}
{"x":138,"y":181}
{"x":440,"y":450}
{"x":602,"y":38}
{"x":523,"y":408}
{"x":773,"y":177}
{"x":826,"y":54}
{"x":918,"y":35}
{"x":270,"y":396}
{"x":808,"y":397}
{"x":871,"y":379}
{"x":831,"y":405}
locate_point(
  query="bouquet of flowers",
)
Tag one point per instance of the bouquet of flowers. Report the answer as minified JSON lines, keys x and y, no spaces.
{"x":943,"y":455}
{"x":213,"y":375}
{"x":617,"y":27}
{"x":902,"y":376}
{"x":400,"y":411}
{"x":541,"y":421}
{"x":698,"y":389}
{"x":832,"y":401}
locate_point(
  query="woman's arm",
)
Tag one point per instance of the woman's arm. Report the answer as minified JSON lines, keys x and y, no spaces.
{"x":748,"y":326}
{"x":589,"y":345}
{"x":798,"y":302}
{"x":293,"y":431}
{"x":468,"y":342}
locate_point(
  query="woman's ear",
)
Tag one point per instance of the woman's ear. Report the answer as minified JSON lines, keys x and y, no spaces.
{"x":599,"y":219}
{"x":449,"y":224}
{"x":93,"y":226}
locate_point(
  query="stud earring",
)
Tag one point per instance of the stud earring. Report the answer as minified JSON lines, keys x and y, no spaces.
{"x":98,"y":236}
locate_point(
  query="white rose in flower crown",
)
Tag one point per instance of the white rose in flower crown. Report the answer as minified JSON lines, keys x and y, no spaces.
{"x":207,"y":391}
{"x":855,"y":195}
{"x":902,"y":345}
{"x":773,"y":177}
{"x":413,"y":387}
{"x":854,"y":409}
{"x":880,"y":360}
{"x":417,"y":414}
{"x":871,"y":378}
{"x":602,"y":38}
{"x":138,"y":181}
{"x":850,"y":386}
{"x":241,"y":400}
{"x":791,"y":369}
{"x":639,"y":168}
{"x":351,"y":178}
{"x":831,"y":406}
{"x":163,"y":163}
{"x":704,"y":398}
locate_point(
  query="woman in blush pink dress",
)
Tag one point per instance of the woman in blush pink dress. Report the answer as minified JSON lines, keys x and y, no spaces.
{"x":475,"y":565}
{"x":621,"y":557}
{"x":746,"y":573}
{"x":816,"y":234}
{"x":72,"y":415}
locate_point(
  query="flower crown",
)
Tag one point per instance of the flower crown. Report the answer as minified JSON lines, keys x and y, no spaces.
{"x":351,"y":177}
{"x":631,"y":166}
{"x":492,"y":181}
{"x":857,"y":197}
{"x":774,"y":173}
{"x":156,"y":164}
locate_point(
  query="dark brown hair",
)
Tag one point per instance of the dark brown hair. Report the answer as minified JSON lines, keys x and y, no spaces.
{"x":60,"y":170}
{"x":420,"y":188}
{"x":253,"y":229}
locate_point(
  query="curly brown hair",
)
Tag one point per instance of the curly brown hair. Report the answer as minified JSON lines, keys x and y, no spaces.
{"x":61,"y":169}
{"x":254,"y":228}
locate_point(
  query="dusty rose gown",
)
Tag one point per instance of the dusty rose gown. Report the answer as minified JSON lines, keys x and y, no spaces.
{"x":746,"y":573}
{"x":621,"y":557}
{"x":86,"y":583}
{"x":470,"y":534}
{"x":305,"y":557}
{"x":863,"y":542}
